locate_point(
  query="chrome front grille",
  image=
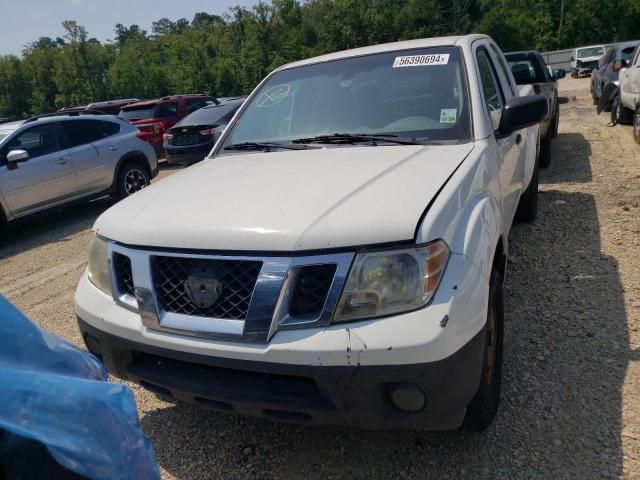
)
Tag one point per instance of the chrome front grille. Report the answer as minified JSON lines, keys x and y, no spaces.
{"x":237,"y":298}
{"x":177,"y":282}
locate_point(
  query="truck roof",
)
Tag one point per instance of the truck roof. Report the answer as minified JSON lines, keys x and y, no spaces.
{"x":389,"y":47}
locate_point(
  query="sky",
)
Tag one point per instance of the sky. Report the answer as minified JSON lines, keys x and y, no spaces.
{"x":24,"y":21}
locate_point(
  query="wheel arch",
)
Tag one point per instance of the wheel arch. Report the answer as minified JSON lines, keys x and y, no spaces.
{"x":134,"y":156}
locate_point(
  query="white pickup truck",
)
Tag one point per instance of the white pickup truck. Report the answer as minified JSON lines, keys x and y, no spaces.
{"x":339,"y":257}
{"x":627,"y":108}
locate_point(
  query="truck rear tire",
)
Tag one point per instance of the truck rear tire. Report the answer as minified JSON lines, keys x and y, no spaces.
{"x":545,"y":151}
{"x":484,"y":406}
{"x":528,"y":207}
{"x":556,"y":121}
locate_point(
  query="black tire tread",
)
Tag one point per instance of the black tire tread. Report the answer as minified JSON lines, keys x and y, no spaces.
{"x":545,"y":152}
{"x":484,"y":406}
{"x":120,"y":192}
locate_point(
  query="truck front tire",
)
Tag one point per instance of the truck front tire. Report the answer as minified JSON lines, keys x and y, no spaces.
{"x":484,"y":406}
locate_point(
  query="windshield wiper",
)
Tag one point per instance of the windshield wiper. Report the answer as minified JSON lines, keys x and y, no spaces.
{"x":347,"y":138}
{"x":266,"y":146}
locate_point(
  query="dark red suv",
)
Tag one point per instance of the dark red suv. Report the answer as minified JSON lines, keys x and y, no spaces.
{"x":154,"y":117}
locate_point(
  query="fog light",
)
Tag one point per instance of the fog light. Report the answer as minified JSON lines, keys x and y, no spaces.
{"x":406,"y":397}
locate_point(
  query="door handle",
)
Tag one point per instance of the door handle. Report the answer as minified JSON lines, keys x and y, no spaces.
{"x":112,"y":148}
{"x":62,"y":161}
{"x":518,"y":139}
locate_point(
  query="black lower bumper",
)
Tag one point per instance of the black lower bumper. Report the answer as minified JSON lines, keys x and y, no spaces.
{"x":351,"y":395}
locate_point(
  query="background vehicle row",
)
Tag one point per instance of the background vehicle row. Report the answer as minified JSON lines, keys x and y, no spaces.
{"x":50,"y":161}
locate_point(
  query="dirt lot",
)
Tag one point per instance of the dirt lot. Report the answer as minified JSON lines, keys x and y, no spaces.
{"x":571,"y":404}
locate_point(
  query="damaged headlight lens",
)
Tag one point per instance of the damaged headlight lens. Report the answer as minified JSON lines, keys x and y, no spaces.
{"x":99,"y":265}
{"x":393,"y":281}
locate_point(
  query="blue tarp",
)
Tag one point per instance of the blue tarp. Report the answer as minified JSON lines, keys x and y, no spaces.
{"x":56,"y":394}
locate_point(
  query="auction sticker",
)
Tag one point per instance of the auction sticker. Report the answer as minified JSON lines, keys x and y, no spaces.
{"x":448,"y":115}
{"x":421,"y":60}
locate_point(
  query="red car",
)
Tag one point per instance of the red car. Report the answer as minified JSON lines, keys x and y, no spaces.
{"x":154,"y":117}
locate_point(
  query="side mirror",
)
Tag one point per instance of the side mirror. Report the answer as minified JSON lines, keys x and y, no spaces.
{"x":559,"y":73}
{"x":17,"y":156}
{"x":523,"y":112}
{"x":619,"y":64}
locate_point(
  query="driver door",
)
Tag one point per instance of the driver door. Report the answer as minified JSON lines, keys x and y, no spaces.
{"x":510,"y":166}
{"x":46,"y":178}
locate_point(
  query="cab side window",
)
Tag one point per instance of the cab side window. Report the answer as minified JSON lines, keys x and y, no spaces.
{"x":504,"y":68}
{"x":37,"y":141}
{"x":491,"y":90}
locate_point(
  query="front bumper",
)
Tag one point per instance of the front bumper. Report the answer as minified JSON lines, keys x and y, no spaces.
{"x":336,"y":395}
{"x":345,"y":369}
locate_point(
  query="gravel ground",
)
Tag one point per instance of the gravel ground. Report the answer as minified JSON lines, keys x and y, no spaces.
{"x":571,"y":404}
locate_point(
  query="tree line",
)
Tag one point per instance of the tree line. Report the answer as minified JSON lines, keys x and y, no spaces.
{"x":229,"y":54}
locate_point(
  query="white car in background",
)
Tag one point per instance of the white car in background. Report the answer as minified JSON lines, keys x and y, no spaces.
{"x":339,"y":256}
{"x":585,"y":59}
{"x":629,"y":106}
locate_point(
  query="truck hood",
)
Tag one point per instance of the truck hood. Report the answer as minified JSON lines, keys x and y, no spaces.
{"x":287,"y":200}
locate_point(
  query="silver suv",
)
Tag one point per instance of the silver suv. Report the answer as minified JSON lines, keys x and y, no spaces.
{"x":53,"y":160}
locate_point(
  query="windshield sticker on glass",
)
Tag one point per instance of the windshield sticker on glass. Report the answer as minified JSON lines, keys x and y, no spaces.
{"x":448,"y":115}
{"x":421,"y":60}
{"x":273,"y":96}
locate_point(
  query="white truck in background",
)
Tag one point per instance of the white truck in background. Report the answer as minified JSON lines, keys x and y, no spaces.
{"x":585,"y":59}
{"x":339,"y":257}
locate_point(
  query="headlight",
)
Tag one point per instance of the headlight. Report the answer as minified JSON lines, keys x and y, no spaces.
{"x":99,"y":265}
{"x":388,"y":282}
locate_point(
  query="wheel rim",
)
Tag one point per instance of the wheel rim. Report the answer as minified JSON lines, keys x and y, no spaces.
{"x":492,"y":345}
{"x":636,"y":124}
{"x":134,"y":181}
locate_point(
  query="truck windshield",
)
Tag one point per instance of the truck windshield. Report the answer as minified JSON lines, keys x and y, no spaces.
{"x":418,"y":94}
{"x":590,"y":52}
